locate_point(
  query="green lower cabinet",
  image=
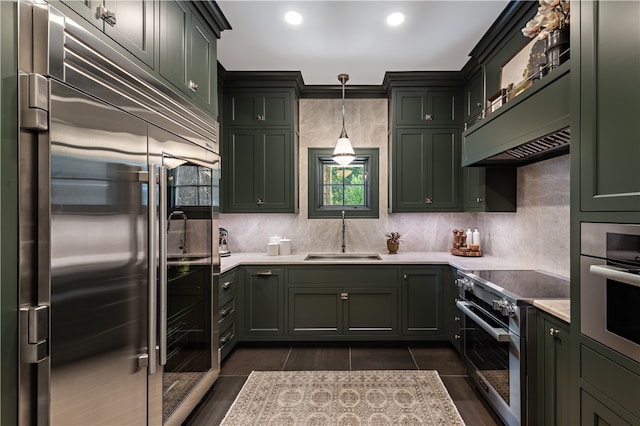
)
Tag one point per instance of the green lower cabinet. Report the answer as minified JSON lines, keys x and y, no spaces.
{"x":422,"y":302}
{"x":315,"y":311}
{"x":228,"y":312}
{"x":263,"y":302}
{"x":342,"y":311}
{"x":554,"y":383}
{"x":595,"y":413}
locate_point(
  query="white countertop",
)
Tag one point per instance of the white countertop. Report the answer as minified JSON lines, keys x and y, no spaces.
{"x":410,"y":258}
{"x":559,"y":308}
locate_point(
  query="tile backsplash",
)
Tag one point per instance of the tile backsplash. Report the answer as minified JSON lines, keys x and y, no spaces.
{"x":536,"y":236}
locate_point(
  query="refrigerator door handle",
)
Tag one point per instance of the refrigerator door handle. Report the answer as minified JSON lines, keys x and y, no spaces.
{"x":151,"y":358}
{"x":162,"y":303}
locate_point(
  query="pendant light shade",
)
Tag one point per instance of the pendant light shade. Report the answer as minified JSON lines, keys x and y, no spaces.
{"x":343,"y":154}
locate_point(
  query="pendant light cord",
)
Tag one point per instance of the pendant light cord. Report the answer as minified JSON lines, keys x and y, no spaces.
{"x":343,"y":78}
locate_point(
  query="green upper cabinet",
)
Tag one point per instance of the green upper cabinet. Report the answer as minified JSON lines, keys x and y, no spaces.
{"x":609,"y":105}
{"x":425,"y":107}
{"x":251,"y":108}
{"x":128,"y":22}
{"x":489,"y":189}
{"x":473,"y":98}
{"x":260,"y":142}
{"x":188,"y":54}
{"x":258,"y":171}
{"x":426,"y":169}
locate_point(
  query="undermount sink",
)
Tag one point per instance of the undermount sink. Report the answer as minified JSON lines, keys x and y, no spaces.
{"x":343,"y":256}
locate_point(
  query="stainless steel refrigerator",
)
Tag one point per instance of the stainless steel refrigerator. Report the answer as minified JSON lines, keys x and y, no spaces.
{"x":118,"y":213}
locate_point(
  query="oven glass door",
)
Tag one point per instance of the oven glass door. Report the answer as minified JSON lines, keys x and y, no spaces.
{"x":492,"y":355}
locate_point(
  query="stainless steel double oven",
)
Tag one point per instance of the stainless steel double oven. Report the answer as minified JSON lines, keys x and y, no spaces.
{"x":610,"y":286}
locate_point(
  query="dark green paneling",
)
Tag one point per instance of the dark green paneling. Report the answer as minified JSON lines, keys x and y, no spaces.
{"x":474,"y":98}
{"x":422,"y":301}
{"x":242,"y":161}
{"x":275,"y":186}
{"x":428,"y":107}
{"x":230,"y":312}
{"x":445,"y":169}
{"x":264,"y":302}
{"x":554,"y":381}
{"x":9,"y":212}
{"x":610,"y":107}
{"x":531,"y":115}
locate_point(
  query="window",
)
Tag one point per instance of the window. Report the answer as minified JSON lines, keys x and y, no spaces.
{"x":333,"y":188}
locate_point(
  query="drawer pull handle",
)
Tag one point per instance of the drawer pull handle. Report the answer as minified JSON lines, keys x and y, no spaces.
{"x":265,"y":273}
{"x":227,"y":285}
{"x":226,"y":311}
{"x":224,"y":339}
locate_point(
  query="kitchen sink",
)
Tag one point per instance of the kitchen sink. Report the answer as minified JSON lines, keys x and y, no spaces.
{"x":343,"y":256}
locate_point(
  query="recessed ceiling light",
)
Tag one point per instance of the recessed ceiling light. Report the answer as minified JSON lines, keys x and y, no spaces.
{"x":293,"y":17}
{"x":395,"y":19}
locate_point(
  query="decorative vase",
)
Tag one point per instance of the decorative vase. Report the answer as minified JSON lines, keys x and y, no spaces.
{"x":557,"y":48}
{"x":393,"y":246}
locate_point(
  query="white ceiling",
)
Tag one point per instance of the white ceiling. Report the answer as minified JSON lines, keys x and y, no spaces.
{"x":352,"y":37}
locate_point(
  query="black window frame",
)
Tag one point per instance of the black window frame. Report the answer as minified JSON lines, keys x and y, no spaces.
{"x":319,"y":157}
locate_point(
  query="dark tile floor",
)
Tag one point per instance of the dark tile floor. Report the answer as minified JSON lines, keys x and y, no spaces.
{"x":441,"y":357}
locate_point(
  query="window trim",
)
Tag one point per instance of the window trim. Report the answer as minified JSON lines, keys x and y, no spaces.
{"x":317,"y":211}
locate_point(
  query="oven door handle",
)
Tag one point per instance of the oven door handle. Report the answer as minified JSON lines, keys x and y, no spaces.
{"x":498,"y":334}
{"x":617,"y":274}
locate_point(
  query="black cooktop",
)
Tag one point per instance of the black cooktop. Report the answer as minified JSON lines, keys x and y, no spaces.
{"x":527,"y":284}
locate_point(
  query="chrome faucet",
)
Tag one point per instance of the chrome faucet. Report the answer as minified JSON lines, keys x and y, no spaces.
{"x":343,"y":231}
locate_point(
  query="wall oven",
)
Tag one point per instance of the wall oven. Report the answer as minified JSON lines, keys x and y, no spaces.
{"x":610,"y":285}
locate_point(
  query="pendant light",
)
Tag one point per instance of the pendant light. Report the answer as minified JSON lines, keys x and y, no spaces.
{"x":343,"y":154}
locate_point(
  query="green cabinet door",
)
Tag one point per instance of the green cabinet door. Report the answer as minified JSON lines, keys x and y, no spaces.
{"x":315,"y":311}
{"x":422,"y":302}
{"x":228,"y":311}
{"x":188,"y":54}
{"x":258,"y":171}
{"x":264,"y":302}
{"x":130,"y":23}
{"x":489,"y":189}
{"x":261,"y":108}
{"x":429,"y":107}
{"x":202,"y":66}
{"x":473,"y":99}
{"x":609,"y":76}
{"x":595,"y":413}
{"x":554,"y":382}
{"x":426,"y":170}
{"x":370,"y":311}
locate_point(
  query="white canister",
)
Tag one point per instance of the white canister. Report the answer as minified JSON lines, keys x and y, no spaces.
{"x":285,"y":246}
{"x":273,"y":249}
{"x":476,"y":237}
{"x":275,"y":239}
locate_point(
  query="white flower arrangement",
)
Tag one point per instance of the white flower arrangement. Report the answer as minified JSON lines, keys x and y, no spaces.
{"x":552,"y":15}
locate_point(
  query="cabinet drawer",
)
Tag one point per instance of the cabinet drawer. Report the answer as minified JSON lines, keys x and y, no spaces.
{"x":227,"y":286}
{"x":615,"y":381}
{"x":227,"y":310}
{"x":347,"y":274}
{"x":227,"y":335}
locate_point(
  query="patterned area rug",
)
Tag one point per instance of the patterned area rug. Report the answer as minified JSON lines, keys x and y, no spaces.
{"x":389,"y":397}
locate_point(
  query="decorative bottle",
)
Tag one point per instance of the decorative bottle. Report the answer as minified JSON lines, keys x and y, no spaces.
{"x":469,"y":237}
{"x":476,"y":237}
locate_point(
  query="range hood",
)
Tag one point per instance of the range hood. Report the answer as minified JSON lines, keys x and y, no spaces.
{"x":532,"y":126}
